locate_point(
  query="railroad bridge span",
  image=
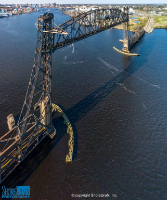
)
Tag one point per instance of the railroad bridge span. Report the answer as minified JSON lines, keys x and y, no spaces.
{"x":35,"y":121}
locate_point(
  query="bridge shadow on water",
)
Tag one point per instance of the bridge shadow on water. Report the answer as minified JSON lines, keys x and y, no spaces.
{"x":75,"y":113}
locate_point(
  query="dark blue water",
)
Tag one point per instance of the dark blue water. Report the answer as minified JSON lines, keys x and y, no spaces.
{"x":116,"y":104}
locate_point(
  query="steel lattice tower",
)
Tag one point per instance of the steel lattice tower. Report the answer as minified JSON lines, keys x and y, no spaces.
{"x":35,"y":121}
{"x":126,"y":32}
{"x":39,"y":91}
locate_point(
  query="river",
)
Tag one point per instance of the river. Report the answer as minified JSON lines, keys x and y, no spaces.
{"x":117,"y":106}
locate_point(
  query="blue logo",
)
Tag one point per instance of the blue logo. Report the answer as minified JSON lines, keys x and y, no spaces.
{"x":18,"y":192}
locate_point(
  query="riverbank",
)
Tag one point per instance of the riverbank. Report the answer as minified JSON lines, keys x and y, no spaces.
{"x":15,"y":11}
{"x":160,"y":22}
{"x":135,"y":22}
{"x":116,"y":105}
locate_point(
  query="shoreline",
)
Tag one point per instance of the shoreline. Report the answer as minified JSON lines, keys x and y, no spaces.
{"x":12,"y":13}
{"x":140,"y":20}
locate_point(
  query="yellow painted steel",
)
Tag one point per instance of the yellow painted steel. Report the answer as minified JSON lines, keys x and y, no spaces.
{"x":19,"y":151}
{"x":56,"y":108}
{"x":128,"y":54}
{"x":6,"y":163}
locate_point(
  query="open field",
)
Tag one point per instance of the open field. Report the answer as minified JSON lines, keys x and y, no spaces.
{"x":160,"y":22}
{"x":133,"y":25}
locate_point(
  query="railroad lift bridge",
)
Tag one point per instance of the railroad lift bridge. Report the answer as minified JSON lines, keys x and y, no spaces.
{"x":35,"y":121}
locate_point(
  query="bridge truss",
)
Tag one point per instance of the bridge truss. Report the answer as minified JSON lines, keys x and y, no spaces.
{"x":88,"y":24}
{"x":35,"y":121}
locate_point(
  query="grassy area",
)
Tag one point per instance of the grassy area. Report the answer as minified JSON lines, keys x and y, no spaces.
{"x":160,"y":22}
{"x":135,"y":26}
{"x":160,"y":19}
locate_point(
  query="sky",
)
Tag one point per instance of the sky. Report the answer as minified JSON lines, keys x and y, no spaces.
{"x":84,"y":1}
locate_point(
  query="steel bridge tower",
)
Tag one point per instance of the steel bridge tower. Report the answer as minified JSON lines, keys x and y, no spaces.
{"x":40,"y":80}
{"x":126,"y":31}
{"x":35,"y":121}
